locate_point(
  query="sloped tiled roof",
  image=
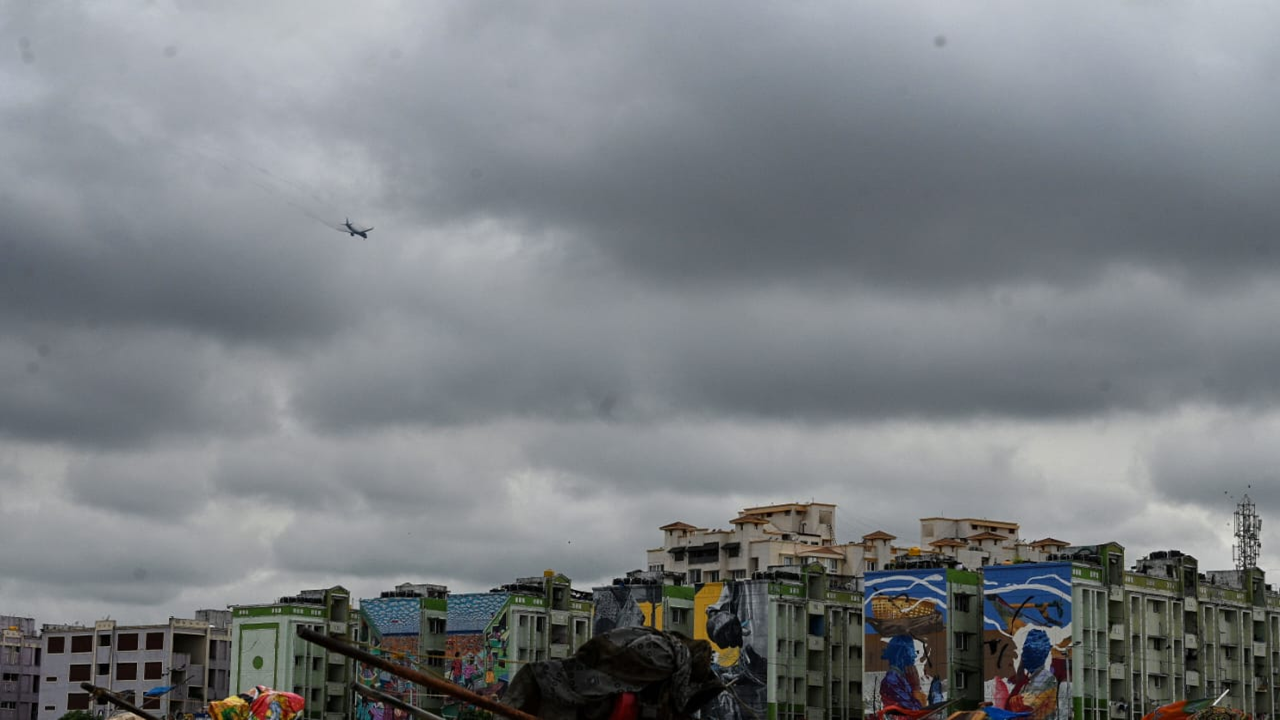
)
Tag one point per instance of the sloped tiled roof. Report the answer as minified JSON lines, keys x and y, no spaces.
{"x":678,"y":525}
{"x":879,"y":535}
{"x":988,"y":536}
{"x":1046,"y":542}
{"x":750,"y":519}
{"x":825,"y":550}
{"x":949,"y":542}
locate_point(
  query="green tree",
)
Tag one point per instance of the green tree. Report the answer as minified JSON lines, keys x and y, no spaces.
{"x":77,"y":715}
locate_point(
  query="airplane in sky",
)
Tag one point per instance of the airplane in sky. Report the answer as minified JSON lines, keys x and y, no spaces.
{"x":352,"y":230}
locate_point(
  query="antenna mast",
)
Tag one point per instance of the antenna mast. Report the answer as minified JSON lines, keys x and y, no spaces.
{"x":1248,"y":535}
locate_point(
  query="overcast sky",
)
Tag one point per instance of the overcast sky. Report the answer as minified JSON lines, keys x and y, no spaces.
{"x":632,"y":263}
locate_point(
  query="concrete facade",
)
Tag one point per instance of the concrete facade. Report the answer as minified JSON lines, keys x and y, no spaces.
{"x":267,"y":650}
{"x":191,"y":655}
{"x":19,"y":668}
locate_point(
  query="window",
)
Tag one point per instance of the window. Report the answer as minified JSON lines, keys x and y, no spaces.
{"x":79,"y":673}
{"x":57,"y":645}
{"x":127,"y":671}
{"x":152,"y":671}
{"x":10,"y":677}
{"x":962,"y":641}
{"x":738,"y":574}
{"x":9,"y":705}
{"x":104,"y":668}
{"x":81,"y":643}
{"x":695,"y":576}
{"x":51,"y":678}
{"x":150,"y":703}
{"x":656,"y":568}
{"x":788,"y":560}
{"x":962,"y":602}
{"x":213,"y":650}
{"x":155,"y":641}
{"x":713,"y":576}
{"x":78,"y":701}
{"x":127,"y":642}
{"x":962,"y":680}
{"x":104,"y":641}
{"x":870,"y":566}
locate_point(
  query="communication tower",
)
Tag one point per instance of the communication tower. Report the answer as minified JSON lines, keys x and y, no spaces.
{"x":1248,"y":535}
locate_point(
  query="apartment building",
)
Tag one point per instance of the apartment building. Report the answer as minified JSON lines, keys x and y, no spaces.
{"x":408,"y":626}
{"x":184,"y":662}
{"x":490,"y":635}
{"x":19,"y":668}
{"x":267,"y":649}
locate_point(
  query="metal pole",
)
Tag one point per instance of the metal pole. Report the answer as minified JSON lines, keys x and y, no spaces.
{"x":116,"y":700}
{"x":379,"y":696}
{"x":444,"y":686}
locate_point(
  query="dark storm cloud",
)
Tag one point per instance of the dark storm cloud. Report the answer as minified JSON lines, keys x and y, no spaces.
{"x":838,"y":141}
{"x":120,"y":388}
{"x":632,"y":264}
{"x":1131,"y":341}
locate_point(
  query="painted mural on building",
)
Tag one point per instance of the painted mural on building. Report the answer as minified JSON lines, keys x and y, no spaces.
{"x":476,"y":645}
{"x":734,"y":618}
{"x":1027,"y":639}
{"x":394,"y":628}
{"x":905,"y":642}
{"x":626,"y":606}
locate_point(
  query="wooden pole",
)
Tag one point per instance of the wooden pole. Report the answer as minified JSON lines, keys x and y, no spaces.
{"x":421,"y":678}
{"x":379,"y":696}
{"x":116,"y":700}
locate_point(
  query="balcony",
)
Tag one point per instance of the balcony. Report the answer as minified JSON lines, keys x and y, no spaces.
{"x":1193,"y":678}
{"x":1190,"y":604}
{"x":1116,"y":593}
{"x":815,"y":678}
{"x":1191,"y":642}
{"x":1116,"y":671}
{"x":1259,"y":649}
{"x":1116,"y":632}
{"x":816,"y":642}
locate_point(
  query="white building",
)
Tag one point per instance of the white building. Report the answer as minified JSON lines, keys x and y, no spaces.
{"x":191,"y":656}
{"x":794,"y":534}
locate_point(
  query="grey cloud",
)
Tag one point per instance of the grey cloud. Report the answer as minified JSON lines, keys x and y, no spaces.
{"x":120,"y":388}
{"x":1133,"y":341}
{"x":155,"y":487}
{"x":836,"y":142}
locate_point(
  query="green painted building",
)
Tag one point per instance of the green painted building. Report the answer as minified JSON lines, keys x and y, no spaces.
{"x":266,"y":650}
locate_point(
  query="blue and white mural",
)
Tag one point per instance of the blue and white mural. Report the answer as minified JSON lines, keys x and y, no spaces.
{"x":1027,"y":639}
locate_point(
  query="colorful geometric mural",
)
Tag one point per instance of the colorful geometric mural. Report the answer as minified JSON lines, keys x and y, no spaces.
{"x":394,"y":626}
{"x":476,"y":645}
{"x":905,"y":642}
{"x":1027,"y":639}
{"x":734,"y":618}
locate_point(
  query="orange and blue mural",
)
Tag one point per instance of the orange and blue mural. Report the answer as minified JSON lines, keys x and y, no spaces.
{"x":1027,"y":639}
{"x":905,"y":641}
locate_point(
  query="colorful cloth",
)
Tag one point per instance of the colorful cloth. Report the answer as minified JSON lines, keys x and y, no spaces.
{"x":260,"y":703}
